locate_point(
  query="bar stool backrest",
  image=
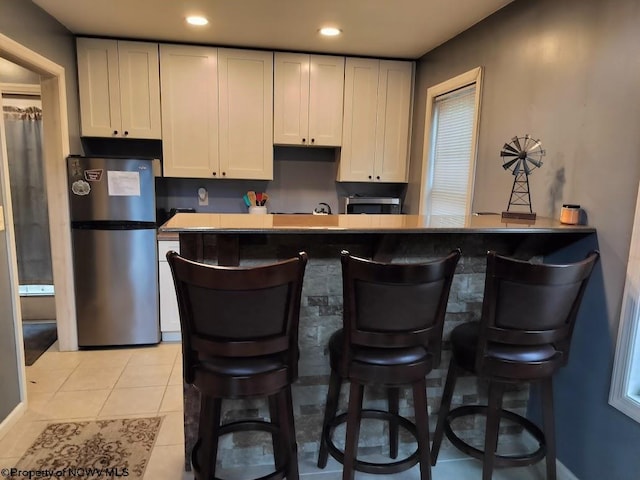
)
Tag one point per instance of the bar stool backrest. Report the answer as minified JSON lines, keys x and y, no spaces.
{"x":394,"y":305}
{"x":527,"y":304}
{"x":238,"y":311}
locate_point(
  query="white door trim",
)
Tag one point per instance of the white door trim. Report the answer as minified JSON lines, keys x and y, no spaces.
{"x":56,"y":149}
{"x":624,"y":391}
{"x":455,"y":83}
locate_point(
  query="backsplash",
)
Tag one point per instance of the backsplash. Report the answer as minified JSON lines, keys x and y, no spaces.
{"x":303,"y":177}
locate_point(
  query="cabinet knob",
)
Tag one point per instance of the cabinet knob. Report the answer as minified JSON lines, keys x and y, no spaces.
{"x":115,"y":132}
{"x":304,"y":140}
{"x":370,"y":177}
{"x":313,"y":140}
{"x":214,"y":173}
{"x":378,"y":177}
{"x":224,"y":174}
{"x":126,"y":133}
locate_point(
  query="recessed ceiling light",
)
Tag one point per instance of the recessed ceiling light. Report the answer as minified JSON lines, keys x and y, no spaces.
{"x":330,"y":31}
{"x":197,"y":20}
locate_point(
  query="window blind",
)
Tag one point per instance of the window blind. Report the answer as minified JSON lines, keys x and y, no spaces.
{"x":452,"y":134}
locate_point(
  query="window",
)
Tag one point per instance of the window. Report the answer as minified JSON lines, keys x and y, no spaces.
{"x":625,"y":382}
{"x":451,"y":128}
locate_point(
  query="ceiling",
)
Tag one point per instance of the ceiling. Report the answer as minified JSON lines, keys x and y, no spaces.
{"x":379,"y":28}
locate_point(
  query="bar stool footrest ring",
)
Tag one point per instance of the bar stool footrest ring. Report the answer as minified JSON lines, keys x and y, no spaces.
{"x":373,"y":467}
{"x":521,"y":460}
{"x":244,"y":426}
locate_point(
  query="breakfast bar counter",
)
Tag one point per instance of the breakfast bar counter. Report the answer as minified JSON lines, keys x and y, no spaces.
{"x":218,"y":236}
{"x":308,"y":224}
{"x":245,"y":239}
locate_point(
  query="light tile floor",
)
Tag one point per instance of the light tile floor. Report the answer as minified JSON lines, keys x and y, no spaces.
{"x":116,"y":383}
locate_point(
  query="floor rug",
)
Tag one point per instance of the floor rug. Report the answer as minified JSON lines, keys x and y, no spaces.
{"x":38,"y":337}
{"x":93,"y":449}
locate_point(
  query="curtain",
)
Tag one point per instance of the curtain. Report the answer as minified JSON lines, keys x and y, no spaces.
{"x":28,"y":194}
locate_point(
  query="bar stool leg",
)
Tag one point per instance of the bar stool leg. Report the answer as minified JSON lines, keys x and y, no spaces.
{"x":496,"y":389}
{"x":330,"y":410}
{"x":445,"y":406}
{"x":549,"y":427}
{"x":208,"y":434}
{"x":356,"y":394}
{"x":289,"y":433}
{"x":422,"y":427}
{"x":278,"y":439}
{"x":394,"y":407}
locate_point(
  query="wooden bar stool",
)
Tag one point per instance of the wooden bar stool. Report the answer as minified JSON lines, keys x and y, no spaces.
{"x":240,"y":340}
{"x":391,"y":336}
{"x":528,"y":314}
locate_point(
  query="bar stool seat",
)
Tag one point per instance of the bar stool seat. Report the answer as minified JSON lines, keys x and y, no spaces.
{"x":391,"y":337}
{"x":528,"y":315}
{"x":377,"y":356}
{"x":240,"y":340}
{"x":464,"y":345}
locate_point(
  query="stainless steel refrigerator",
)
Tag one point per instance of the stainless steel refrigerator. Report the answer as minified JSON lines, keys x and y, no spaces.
{"x":115,"y":259}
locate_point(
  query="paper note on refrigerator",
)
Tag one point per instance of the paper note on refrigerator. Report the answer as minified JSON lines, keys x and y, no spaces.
{"x":123,"y":184}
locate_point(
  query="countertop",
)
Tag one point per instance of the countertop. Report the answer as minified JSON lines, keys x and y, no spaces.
{"x":308,"y":224}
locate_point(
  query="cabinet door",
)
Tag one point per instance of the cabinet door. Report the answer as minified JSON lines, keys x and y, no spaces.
{"x":326,"y":93}
{"x":395,"y":81}
{"x":245,"y":82}
{"x":98,"y":83}
{"x":189,"y":84}
{"x":359,"y":127}
{"x":291,"y":99}
{"x":139,"y":89}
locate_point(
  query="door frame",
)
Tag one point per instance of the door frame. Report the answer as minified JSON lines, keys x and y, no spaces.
{"x":55,"y":149}
{"x":473,"y":76}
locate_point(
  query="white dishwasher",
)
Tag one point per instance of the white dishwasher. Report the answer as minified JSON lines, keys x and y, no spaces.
{"x":169,"y":316}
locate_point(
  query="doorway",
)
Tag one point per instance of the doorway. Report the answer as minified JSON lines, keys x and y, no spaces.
{"x":56,"y":149}
{"x":22,"y":117}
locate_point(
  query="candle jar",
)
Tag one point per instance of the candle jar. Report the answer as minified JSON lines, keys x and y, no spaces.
{"x":570,"y":214}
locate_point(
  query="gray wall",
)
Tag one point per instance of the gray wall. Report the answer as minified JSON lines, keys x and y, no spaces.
{"x":32,"y":27}
{"x":565,"y":72}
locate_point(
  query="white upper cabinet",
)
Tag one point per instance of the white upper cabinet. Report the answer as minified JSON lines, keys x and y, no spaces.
{"x":217,"y":112}
{"x":308,"y":99}
{"x":119,"y":88}
{"x":245,"y":140}
{"x":377,"y":115}
{"x":189,"y":85}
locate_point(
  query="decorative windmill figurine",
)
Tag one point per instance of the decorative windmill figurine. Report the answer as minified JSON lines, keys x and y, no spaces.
{"x":522,"y":155}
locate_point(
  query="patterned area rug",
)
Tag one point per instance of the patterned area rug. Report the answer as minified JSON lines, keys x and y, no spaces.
{"x":96,"y":449}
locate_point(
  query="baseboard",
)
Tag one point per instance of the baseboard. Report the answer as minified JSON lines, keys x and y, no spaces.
{"x":564,"y":473}
{"x":15,"y":415}
{"x":171,"y":336}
